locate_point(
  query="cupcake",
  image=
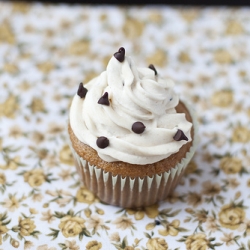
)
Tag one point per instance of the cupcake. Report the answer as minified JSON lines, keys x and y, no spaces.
{"x":130,"y":135}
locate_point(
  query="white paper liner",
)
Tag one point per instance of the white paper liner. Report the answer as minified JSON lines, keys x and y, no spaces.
{"x":134,"y":192}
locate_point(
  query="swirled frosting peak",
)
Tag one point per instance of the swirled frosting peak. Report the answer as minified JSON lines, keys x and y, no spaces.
{"x":128,"y":114}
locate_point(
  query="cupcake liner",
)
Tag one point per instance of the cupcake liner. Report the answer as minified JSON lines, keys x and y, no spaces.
{"x":130,"y":192}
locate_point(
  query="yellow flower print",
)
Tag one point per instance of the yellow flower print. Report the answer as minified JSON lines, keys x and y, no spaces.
{"x":234,"y":28}
{"x":94,"y":245}
{"x":171,"y":229}
{"x":66,"y":156}
{"x":100,"y":211}
{"x":184,"y":57}
{"x":10,"y":68}
{"x":51,"y":161}
{"x":79,"y":48}
{"x":211,"y":224}
{"x":37,"y":197}
{"x":46,"y":67}
{"x":6,"y":33}
{"x":201,"y":215}
{"x":150,"y":226}
{"x":35,"y":177}
{"x":22,"y":7}
{"x":231,"y":216}
{"x":115,"y":237}
{"x":210,"y":188}
{"x":123,"y":222}
{"x":26,"y":226}
{"x":45,"y":247}
{"x":191,"y":168}
{"x":194,"y":199}
{"x":96,"y":223}
{"x":241,"y":134}
{"x":41,"y":153}
{"x":33,"y":211}
{"x":87,"y":212}
{"x":245,"y":227}
{"x":47,"y":216}
{"x":15,"y":131}
{"x":129,"y":248}
{"x":173,"y":197}
{"x":89,"y":75}
{"x":105,"y":61}
{"x":248,"y":183}
{"x":190,"y":14}
{"x":28,"y":245}
{"x":228,"y":239}
{"x":207,"y":157}
{"x":223,"y":56}
{"x":197,"y":242}
{"x":9,"y":107}
{"x":71,"y":226}
{"x":103,"y":17}
{"x":230,"y":165}
{"x":54,"y":128}
{"x":37,"y":137}
{"x":139,"y":215}
{"x":85,"y":196}
{"x":222,"y":98}
{"x":159,"y":58}
{"x":155,"y":17}
{"x":150,"y":211}
{"x":2,"y":179}
{"x":232,"y":182}
{"x":12,"y":203}
{"x":12,"y":163}
{"x":133,"y":28}
{"x":14,"y":243}
{"x":157,"y":244}
{"x":171,"y":39}
{"x":37,"y":105}
{"x":71,"y":245}
{"x":24,"y":86}
{"x":3,"y":230}
{"x":65,"y":174}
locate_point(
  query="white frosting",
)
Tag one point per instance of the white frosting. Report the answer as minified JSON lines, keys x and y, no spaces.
{"x":135,"y":94}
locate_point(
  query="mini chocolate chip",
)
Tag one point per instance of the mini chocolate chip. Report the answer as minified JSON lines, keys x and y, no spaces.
{"x":82,"y":91}
{"x":138,"y":127}
{"x":104,"y":100}
{"x":179,"y":136}
{"x":157,"y":223}
{"x":102,"y":142}
{"x":120,"y":55}
{"x":151,"y":66}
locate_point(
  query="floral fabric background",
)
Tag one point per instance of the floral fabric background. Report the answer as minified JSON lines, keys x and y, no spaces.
{"x":47,"y":50}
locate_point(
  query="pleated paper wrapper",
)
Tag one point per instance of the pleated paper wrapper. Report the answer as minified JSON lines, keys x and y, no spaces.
{"x":135,"y":192}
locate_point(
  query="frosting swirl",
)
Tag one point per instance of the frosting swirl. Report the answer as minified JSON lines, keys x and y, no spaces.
{"x":125,"y":99}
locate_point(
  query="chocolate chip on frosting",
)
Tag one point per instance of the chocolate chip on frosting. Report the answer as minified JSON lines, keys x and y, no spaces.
{"x":102,"y":142}
{"x":179,"y":136}
{"x":151,"y":66}
{"x":81,"y":91}
{"x":120,"y":55}
{"x":104,"y":100}
{"x":138,"y":127}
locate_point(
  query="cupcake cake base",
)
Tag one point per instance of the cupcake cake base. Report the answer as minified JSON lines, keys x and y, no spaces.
{"x":131,"y":185}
